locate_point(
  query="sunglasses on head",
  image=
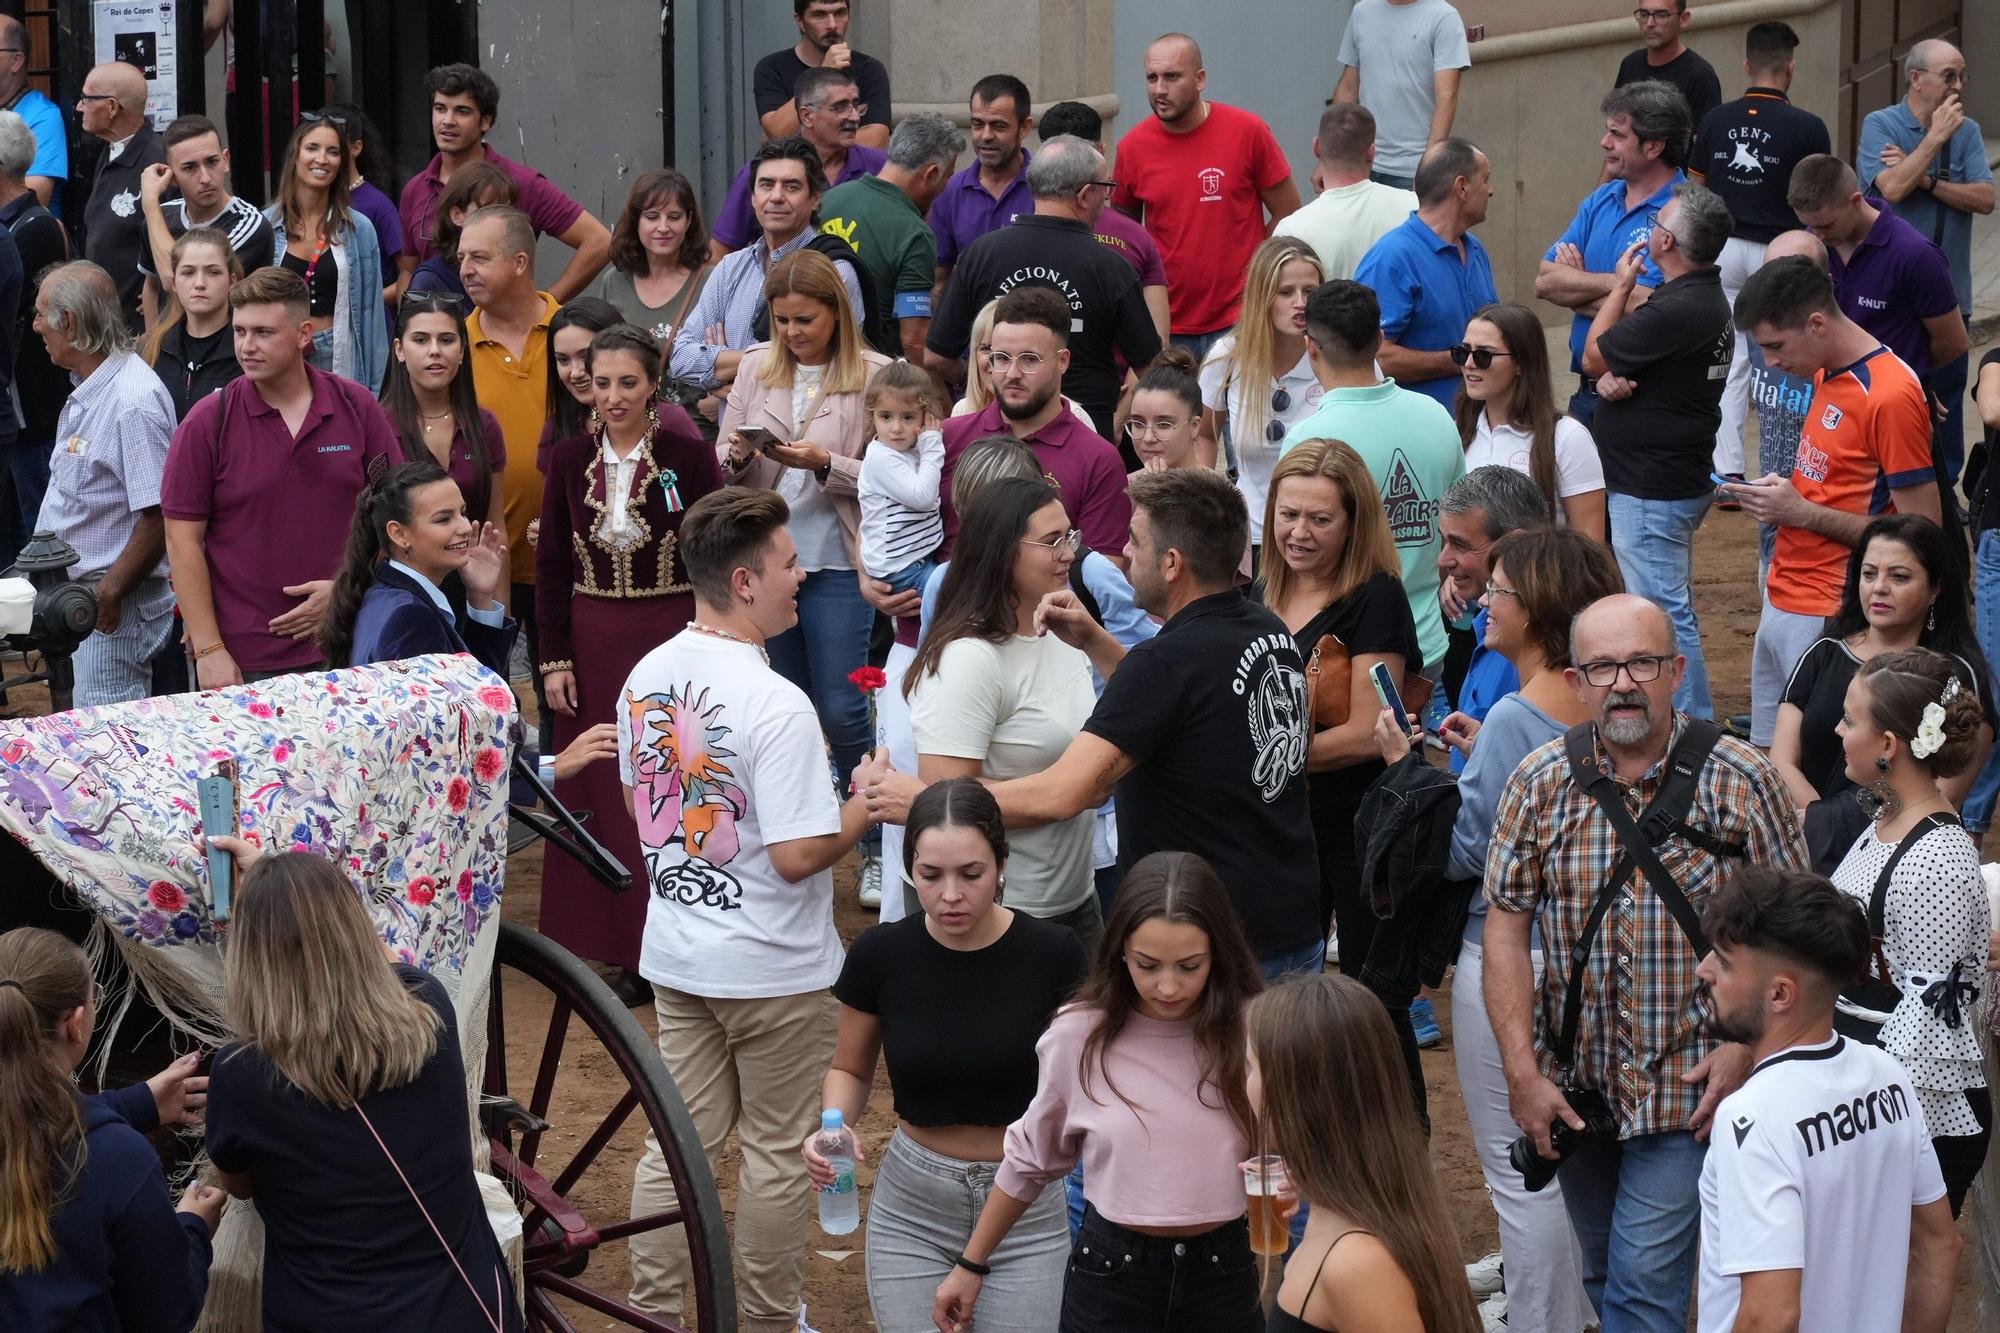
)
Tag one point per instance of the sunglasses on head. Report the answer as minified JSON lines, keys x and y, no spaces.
{"x":432,"y":300}
{"x":322,"y":118}
{"x":1480,"y":357}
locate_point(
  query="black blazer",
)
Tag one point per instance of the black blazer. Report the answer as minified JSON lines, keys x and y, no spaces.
{"x":398,"y":619}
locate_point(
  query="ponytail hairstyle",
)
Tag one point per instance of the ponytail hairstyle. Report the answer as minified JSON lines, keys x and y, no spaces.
{"x":399,"y":397}
{"x":174,"y":315}
{"x":43,"y":979}
{"x":1173,"y":371}
{"x":1902,"y":686}
{"x":903,"y":378}
{"x":387,"y":500}
{"x":568,"y":417}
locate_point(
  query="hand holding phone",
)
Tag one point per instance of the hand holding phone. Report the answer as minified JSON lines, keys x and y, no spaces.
{"x":759,"y":438}
{"x":1385,"y":689}
{"x":216,"y":798}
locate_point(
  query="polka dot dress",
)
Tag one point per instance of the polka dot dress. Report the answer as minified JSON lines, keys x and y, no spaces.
{"x":1934,"y":918}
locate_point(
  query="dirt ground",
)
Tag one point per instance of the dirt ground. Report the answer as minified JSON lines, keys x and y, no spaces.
{"x":836,"y":1291}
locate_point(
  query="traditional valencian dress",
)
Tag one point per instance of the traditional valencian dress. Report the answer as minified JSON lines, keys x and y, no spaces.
{"x":610,"y":587}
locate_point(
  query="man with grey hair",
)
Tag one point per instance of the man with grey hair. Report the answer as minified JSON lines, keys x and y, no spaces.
{"x":882,"y":217}
{"x":112,"y":107}
{"x":1431,"y":274}
{"x":1660,"y":370}
{"x":104,"y":492}
{"x":1479,"y":509}
{"x":830,"y":110}
{"x":1646,"y":131}
{"x":48,"y":157}
{"x":1927,"y":159}
{"x":1055,"y":247}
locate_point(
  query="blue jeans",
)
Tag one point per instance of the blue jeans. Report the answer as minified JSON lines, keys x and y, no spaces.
{"x":913,"y":576}
{"x":1654,"y":543}
{"x":1276,"y":967}
{"x":1636,"y":1209}
{"x":1979,"y":802}
{"x":1398,"y":182}
{"x":830,"y":640}
{"x":1583,"y":403}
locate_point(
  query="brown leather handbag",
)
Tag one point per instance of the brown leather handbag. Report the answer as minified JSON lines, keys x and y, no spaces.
{"x":1329,"y":682}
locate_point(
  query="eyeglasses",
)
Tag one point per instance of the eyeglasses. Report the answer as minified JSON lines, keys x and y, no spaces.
{"x":1158,"y":429}
{"x":1069,"y":541}
{"x":1029,"y":362}
{"x":447,"y":300}
{"x":1654,"y":15}
{"x":96,"y":97}
{"x":854,"y":108}
{"x":1109,"y":185}
{"x":1641,"y":669}
{"x":1495,"y":590}
{"x":1480,"y":357}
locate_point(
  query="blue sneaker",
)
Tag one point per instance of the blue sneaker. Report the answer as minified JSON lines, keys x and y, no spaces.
{"x":1424,"y":1019}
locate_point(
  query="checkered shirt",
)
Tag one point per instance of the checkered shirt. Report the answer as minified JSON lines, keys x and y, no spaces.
{"x":1644,"y":1013}
{"x":111,"y":447}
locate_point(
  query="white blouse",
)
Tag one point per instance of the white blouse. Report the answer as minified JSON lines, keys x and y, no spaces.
{"x":1578,"y":470}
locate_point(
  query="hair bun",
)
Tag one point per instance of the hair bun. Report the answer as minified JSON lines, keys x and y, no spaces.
{"x":1175,"y":357}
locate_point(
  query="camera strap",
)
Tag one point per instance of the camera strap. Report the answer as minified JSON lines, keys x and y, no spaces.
{"x":1664,"y":816}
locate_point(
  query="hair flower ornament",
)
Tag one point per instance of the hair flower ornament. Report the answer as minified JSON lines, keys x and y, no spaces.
{"x":1930,"y":735}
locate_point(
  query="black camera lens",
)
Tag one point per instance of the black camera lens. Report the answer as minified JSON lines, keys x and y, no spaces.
{"x":1536,"y":1170}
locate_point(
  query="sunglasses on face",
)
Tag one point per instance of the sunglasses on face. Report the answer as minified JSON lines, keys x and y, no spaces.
{"x":1480,"y":357}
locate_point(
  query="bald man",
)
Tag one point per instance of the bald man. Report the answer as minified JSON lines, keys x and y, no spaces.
{"x":1927,"y":158}
{"x":1201,"y":176}
{"x":51,"y":165}
{"x":112,"y":106}
{"x":1644,"y":1058}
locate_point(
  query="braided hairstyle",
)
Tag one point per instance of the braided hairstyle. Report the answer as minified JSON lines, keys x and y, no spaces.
{"x":387,"y":500}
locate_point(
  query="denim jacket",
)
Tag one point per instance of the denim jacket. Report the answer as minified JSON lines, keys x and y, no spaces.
{"x":360,"y":337}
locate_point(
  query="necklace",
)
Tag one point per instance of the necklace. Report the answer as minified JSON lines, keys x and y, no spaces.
{"x":713,"y":632}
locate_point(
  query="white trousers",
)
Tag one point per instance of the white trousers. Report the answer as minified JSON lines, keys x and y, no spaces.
{"x":1739,"y":259}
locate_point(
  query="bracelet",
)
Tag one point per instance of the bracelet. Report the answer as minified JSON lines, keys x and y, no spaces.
{"x":564,"y":665}
{"x":215,"y":647}
{"x":983,"y":1270}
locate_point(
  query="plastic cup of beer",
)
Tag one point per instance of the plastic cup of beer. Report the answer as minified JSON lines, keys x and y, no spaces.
{"x":1263,"y":1177}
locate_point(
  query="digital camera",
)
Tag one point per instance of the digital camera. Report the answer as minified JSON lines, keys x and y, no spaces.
{"x":1598,"y":1121}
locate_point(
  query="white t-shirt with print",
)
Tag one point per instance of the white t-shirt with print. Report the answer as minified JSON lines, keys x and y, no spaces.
{"x":724,"y":757}
{"x":1224,"y":389}
{"x":1578,"y":470}
{"x":1015,"y":707}
{"x":1814,"y":1164}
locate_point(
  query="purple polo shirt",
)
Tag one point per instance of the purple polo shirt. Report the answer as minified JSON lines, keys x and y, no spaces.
{"x":966,"y":211}
{"x":1134,"y":244}
{"x":550,"y":210}
{"x":1084,"y":466}
{"x":736,"y":225}
{"x":1895,"y":281}
{"x":278,"y":509}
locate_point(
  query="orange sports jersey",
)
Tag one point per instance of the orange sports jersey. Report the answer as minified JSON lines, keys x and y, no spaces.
{"x":1867,"y":432}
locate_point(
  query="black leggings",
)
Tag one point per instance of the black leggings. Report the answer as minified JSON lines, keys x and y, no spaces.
{"x":1961,"y":1155}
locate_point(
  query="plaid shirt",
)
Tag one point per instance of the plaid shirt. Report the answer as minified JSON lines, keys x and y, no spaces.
{"x":1644,"y":1012}
{"x":731,"y":297}
{"x":111,"y":447}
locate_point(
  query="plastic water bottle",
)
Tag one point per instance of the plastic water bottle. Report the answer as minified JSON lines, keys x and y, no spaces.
{"x":840,"y":1202}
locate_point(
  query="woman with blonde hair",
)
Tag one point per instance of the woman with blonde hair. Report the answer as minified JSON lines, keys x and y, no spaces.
{"x":1330,"y":571}
{"x":342,"y":1112}
{"x":1379,"y":1251}
{"x":1256,"y":382}
{"x":796,"y":422}
{"x":332,"y":245}
{"x":88,"y":1240}
{"x":1507,"y":415}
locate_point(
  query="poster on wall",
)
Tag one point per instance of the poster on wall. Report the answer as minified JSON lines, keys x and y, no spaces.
{"x":141,"y":33}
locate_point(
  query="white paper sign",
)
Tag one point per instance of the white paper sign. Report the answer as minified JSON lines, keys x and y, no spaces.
{"x":142,"y":33}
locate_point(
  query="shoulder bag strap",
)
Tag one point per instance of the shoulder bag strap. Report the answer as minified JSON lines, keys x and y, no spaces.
{"x":1879,"y":899}
{"x":1666,"y":812}
{"x":499,"y":1302}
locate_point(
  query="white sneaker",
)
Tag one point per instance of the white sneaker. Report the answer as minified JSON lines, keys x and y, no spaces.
{"x":1484,"y":1276}
{"x":1493,"y":1313}
{"x":1332,"y":945}
{"x":804,"y":1327}
{"x":871,"y":882}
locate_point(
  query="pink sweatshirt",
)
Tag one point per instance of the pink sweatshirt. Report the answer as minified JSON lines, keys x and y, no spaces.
{"x":1153,"y":1154}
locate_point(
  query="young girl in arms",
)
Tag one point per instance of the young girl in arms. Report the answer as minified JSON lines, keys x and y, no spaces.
{"x":1143,"y":1079}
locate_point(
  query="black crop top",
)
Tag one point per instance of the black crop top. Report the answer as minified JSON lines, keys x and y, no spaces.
{"x":959,"y":1028}
{"x":323,"y":288}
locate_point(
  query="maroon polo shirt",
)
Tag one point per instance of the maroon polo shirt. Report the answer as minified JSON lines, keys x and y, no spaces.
{"x":550,"y":210}
{"x":1084,"y":466}
{"x":278,"y":509}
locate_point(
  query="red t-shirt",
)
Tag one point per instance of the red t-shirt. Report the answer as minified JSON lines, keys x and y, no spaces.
{"x":1201,"y":196}
{"x":1867,"y":432}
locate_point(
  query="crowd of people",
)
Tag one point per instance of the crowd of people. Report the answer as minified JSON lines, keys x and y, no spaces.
{"x":1221,"y":570}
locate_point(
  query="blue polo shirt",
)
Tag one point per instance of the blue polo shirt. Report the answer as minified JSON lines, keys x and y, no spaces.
{"x":1603,"y":229}
{"x":1428,"y":292}
{"x":1489,"y":678}
{"x":51,"y":140}
{"x":1894,"y":281}
{"x":1963,"y":162}
{"x":965,"y":211}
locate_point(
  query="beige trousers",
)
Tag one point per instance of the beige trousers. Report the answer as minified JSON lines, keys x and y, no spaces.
{"x":753,"y":1066}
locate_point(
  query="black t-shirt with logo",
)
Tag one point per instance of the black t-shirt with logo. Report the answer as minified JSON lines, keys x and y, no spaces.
{"x":1659,"y":443}
{"x":772,"y":81}
{"x":1107,"y":309}
{"x":1694,"y":76}
{"x":1213,"y":709}
{"x":1747,"y":148}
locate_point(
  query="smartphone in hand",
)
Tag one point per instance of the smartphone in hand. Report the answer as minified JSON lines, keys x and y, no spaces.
{"x":215,"y":797}
{"x":759,"y":438}
{"x":1385,"y":690}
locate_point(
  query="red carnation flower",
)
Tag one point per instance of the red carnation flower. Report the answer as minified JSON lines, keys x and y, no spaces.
{"x":868,"y":679}
{"x":490,"y":764}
